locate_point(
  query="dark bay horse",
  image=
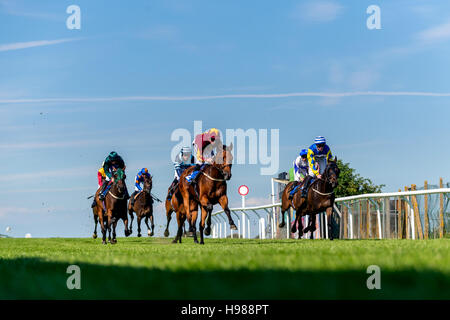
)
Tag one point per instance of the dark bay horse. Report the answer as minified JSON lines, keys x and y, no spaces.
{"x":320,"y":198}
{"x":212,"y":189}
{"x":143,"y":206}
{"x":115,"y":207}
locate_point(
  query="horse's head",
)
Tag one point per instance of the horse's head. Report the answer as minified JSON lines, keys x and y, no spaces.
{"x":148,"y":183}
{"x":332,"y":173}
{"x":223,"y":160}
{"x":119,"y":180}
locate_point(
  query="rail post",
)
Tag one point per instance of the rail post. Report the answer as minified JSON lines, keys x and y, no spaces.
{"x":441,"y":210}
{"x":427,"y":226}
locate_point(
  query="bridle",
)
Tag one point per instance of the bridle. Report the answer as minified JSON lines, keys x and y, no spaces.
{"x":327,"y":181}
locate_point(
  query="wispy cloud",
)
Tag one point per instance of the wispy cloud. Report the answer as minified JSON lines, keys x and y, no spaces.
{"x":75,"y":172}
{"x":58,"y":144}
{"x":32,"y":44}
{"x":434,"y":34}
{"x":318,"y":11}
{"x":232,"y":96}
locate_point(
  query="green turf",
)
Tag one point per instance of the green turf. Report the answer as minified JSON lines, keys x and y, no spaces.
{"x":153,"y":268}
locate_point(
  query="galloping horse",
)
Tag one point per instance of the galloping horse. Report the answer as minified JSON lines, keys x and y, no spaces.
{"x":212,"y":189}
{"x":143,"y":206}
{"x":115,"y":207}
{"x":171,"y":207}
{"x":320,"y":198}
{"x":176,"y":204}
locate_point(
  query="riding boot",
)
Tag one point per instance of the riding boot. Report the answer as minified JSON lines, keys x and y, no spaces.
{"x":102,"y":195}
{"x":305,"y":186}
{"x":291,"y":193}
{"x":132,"y":198}
{"x":172,"y":189}
{"x":94,"y":203}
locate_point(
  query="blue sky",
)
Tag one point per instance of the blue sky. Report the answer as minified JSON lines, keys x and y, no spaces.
{"x":69,"y":97}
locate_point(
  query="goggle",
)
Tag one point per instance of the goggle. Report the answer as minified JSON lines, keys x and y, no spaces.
{"x":320,"y":145}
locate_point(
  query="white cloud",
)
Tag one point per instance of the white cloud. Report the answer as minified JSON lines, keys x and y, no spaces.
{"x":232,"y":96}
{"x":436,"y":33}
{"x":318,"y":11}
{"x":32,"y":44}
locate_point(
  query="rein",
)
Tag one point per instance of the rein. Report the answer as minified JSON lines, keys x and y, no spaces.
{"x":116,"y":197}
{"x":213,"y":179}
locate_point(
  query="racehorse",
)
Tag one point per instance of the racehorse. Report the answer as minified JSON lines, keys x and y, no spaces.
{"x":95,"y":214}
{"x":170,"y":209}
{"x":115,"y":207}
{"x":177,"y":204}
{"x":212,"y":189}
{"x":320,"y":198}
{"x":143,"y":206}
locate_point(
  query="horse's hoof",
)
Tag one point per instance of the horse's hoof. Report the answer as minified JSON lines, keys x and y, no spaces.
{"x":195,"y":241}
{"x":104,"y":242}
{"x":233,"y":227}
{"x":207,"y":231}
{"x":281,"y":225}
{"x":190,"y":234}
{"x":166,"y":233}
{"x":94,"y":236}
{"x":202,"y":243}
{"x":174,"y":241}
{"x":149,"y":233}
{"x":113,"y":241}
{"x":139,"y":235}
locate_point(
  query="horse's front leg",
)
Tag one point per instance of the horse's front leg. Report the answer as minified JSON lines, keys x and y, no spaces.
{"x":169,"y":211}
{"x":300,"y":227}
{"x":125,"y":222}
{"x":102,"y":223}
{"x":95,"y":227}
{"x":223,"y":201}
{"x":130,"y":212}
{"x":329,"y":221}
{"x":114,"y":224}
{"x":139,"y":217}
{"x":109,"y":225}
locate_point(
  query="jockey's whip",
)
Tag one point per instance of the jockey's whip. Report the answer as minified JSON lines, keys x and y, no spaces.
{"x":91,"y":196}
{"x":155,"y":198}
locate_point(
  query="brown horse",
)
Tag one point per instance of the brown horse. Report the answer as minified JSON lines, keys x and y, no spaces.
{"x":143,"y":206}
{"x":212,"y":189}
{"x":177,"y":204}
{"x":95,"y":214}
{"x":170,"y":208}
{"x":116,"y":207}
{"x":320,"y":198}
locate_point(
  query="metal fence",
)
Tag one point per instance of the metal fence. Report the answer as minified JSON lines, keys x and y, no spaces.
{"x":410,"y":214}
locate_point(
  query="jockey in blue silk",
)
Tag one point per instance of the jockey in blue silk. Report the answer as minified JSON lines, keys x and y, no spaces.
{"x":137,"y":183}
{"x":183,"y":160}
{"x":300,"y":171}
{"x":319,"y":154}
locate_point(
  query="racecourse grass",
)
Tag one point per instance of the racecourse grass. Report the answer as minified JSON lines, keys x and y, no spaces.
{"x":153,"y":268}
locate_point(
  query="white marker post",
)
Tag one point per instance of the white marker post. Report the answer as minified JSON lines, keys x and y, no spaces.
{"x":243,"y":191}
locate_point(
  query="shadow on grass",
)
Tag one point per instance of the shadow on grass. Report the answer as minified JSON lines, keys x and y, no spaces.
{"x":32,"y":278}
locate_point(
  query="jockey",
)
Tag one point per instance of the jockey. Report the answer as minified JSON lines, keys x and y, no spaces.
{"x":319,"y":154}
{"x":183,"y":160}
{"x":101,"y":176}
{"x":204,"y":145}
{"x":137,"y":183}
{"x":300,"y":171}
{"x":112,"y":162}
